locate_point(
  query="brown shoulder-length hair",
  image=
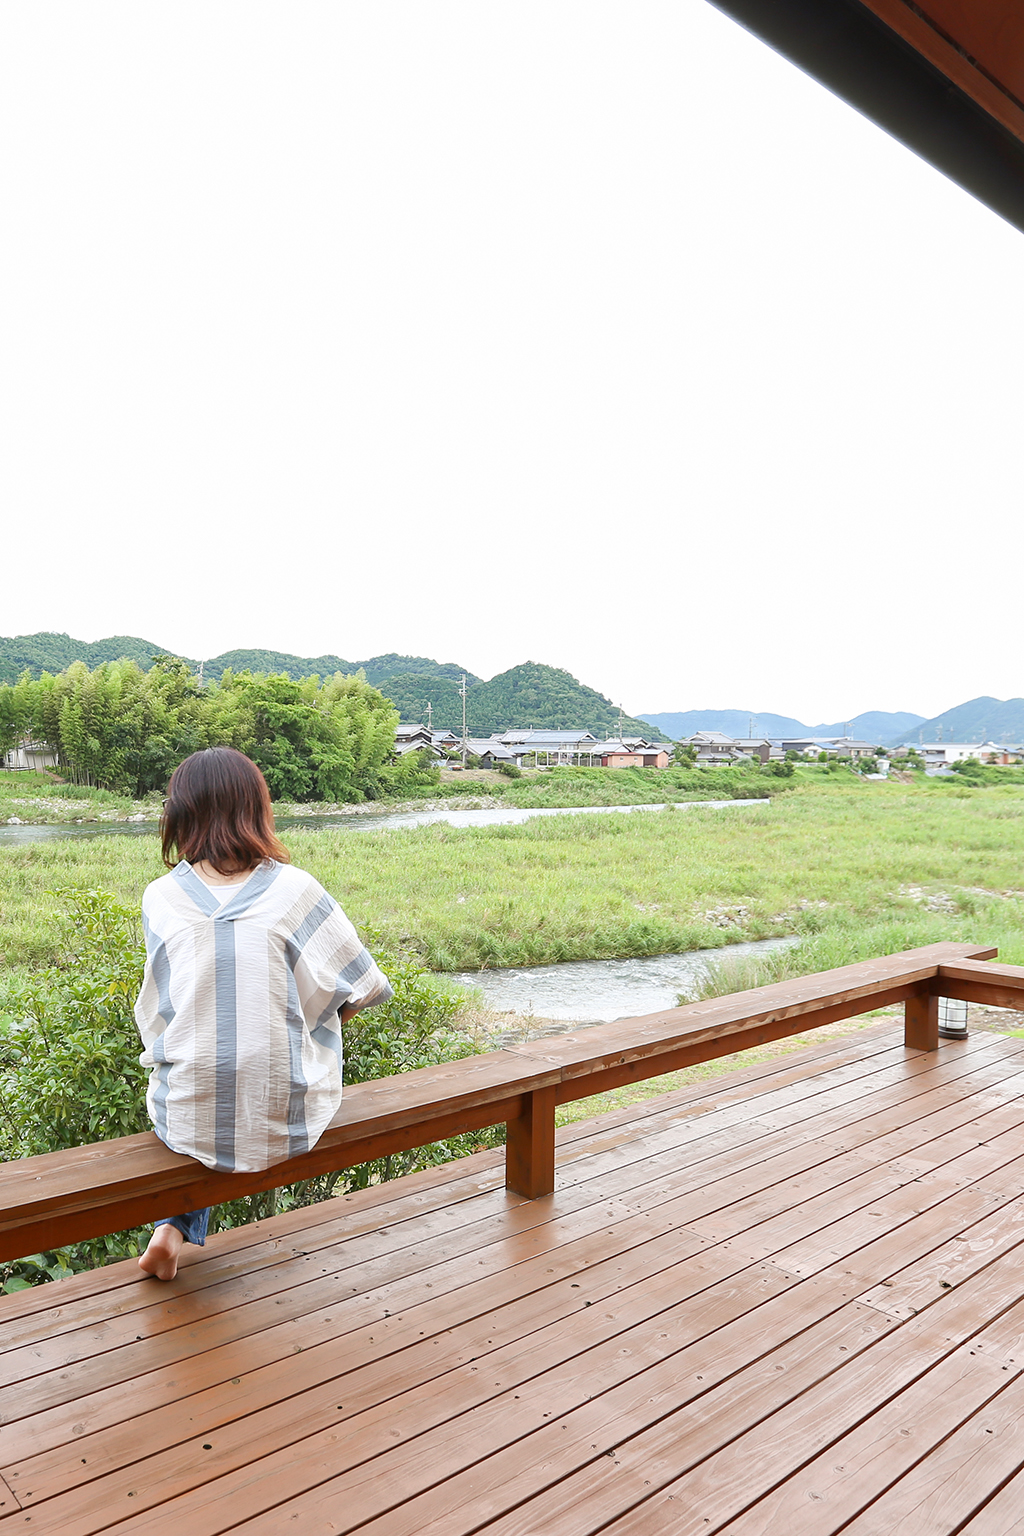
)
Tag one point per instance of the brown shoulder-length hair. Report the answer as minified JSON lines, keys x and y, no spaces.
{"x":218,"y":809}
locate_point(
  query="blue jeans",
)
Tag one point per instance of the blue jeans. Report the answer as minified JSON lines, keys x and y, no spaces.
{"x":192,"y":1225}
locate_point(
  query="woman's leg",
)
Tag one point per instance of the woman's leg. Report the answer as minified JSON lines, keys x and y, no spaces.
{"x":161,"y":1256}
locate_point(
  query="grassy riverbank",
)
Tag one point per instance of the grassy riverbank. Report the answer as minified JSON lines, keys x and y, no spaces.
{"x":856,"y":871}
{"x":39,"y":799}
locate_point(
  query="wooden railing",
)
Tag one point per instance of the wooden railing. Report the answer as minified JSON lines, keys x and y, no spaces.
{"x":63,"y":1197}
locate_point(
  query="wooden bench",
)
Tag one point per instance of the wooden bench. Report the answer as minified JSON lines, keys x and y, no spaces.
{"x":65,"y":1197}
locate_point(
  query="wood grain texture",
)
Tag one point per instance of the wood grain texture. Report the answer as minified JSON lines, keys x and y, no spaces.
{"x":64,"y":1197}
{"x":921,"y":1028}
{"x":530,"y":1148}
{"x":727,"y":1286}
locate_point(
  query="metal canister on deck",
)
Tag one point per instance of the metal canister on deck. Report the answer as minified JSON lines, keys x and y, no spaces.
{"x":952,"y":1019}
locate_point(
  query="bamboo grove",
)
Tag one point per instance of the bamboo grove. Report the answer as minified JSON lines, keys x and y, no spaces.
{"x":121,"y":728}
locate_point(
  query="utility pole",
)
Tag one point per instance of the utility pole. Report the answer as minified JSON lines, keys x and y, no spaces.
{"x":462,"y":691}
{"x":620,"y":722}
{"x":430,"y":716}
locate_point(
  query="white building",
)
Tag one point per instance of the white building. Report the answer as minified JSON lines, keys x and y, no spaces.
{"x":942,"y":754}
{"x":29,"y":754}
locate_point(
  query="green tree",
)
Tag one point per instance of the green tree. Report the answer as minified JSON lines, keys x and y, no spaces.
{"x":70,"y":1073}
{"x":312,"y":741}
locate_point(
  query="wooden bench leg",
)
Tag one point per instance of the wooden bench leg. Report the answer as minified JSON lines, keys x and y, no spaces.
{"x":921,"y":1027}
{"x":530,"y":1148}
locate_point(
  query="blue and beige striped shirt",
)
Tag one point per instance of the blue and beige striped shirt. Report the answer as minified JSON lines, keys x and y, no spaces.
{"x":240,"y":1013}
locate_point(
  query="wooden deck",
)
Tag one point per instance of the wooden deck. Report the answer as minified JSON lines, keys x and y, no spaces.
{"x":790,"y":1300}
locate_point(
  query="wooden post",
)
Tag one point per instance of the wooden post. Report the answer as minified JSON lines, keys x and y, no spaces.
{"x":921,"y":1028}
{"x":530,"y":1149}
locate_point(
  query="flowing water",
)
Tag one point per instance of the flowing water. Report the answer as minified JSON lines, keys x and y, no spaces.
{"x":16,"y":835}
{"x":577,"y":992}
{"x":564,"y":996}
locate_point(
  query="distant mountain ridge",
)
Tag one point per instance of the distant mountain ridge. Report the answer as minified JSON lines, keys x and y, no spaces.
{"x":531,"y":694}
{"x":981,"y":719}
{"x":879,"y":726}
{"x":376,"y":668}
{"x":49,"y":651}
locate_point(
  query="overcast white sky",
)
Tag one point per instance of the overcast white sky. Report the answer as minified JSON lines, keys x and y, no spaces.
{"x":588,"y":333}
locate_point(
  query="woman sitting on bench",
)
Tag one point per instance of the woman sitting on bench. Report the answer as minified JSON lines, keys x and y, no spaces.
{"x":251,"y":970}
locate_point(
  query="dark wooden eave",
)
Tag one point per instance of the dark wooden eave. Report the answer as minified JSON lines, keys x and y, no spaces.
{"x":942,"y":78}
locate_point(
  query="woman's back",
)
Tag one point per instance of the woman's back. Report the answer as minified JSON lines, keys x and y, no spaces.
{"x":240,"y":1013}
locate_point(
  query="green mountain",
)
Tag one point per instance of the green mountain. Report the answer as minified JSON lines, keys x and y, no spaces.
{"x":528,"y":695}
{"x":381,"y":669}
{"x":982,"y":719}
{"x":48,"y":652}
{"x":276,"y":661}
{"x":378,"y":669}
{"x":51,"y":652}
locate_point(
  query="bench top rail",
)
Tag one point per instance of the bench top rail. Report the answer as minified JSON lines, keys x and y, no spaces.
{"x":62,"y":1197}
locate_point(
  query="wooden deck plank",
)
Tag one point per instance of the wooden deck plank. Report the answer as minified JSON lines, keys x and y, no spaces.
{"x":917,"y":1198}
{"x":731,"y":1228}
{"x":204,"y":1333}
{"x":327,"y":1232}
{"x":255,"y":1492}
{"x":565,"y":1476}
{"x":921,"y":1425}
{"x":8,"y":1503}
{"x":148,"y":1479}
{"x":955,"y":1477}
{"x":382,"y":1426}
{"x":475,"y":1339}
{"x":1003,"y":1515}
{"x":63,"y":1360}
{"x":698,"y":1470}
{"x":433,"y":1188}
{"x":760,"y":1330}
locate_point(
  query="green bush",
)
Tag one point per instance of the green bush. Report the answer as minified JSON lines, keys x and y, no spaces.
{"x":122,"y":729}
{"x":70,"y":1073}
{"x":779,"y":770}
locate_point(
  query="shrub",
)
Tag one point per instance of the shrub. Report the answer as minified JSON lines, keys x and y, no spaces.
{"x":70,"y":1073}
{"x":779,"y":770}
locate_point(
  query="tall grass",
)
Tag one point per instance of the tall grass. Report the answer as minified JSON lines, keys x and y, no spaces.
{"x":851,"y":869}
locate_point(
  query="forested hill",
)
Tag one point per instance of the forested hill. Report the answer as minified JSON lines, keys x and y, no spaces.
{"x":983,"y":719}
{"x":48,"y":652}
{"x":528,"y":695}
{"x":876,"y":725}
{"x":378,"y":669}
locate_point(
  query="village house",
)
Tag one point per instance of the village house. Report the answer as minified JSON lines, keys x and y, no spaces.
{"x":416,"y":738}
{"x":632,"y":753}
{"x":539,"y":748}
{"x":29,"y":755}
{"x":490,"y":751}
{"x":942,"y":754}
{"x":759,"y":747}
{"x":713,"y":748}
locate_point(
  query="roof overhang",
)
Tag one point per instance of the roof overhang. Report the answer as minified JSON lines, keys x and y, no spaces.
{"x":945,"y":77}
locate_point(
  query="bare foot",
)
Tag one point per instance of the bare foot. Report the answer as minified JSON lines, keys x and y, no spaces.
{"x":161,"y":1256}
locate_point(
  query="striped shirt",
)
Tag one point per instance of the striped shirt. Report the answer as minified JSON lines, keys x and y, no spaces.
{"x":240,"y":1016}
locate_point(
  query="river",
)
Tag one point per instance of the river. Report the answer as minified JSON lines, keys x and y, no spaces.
{"x":566,"y":995}
{"x":13,"y":836}
{"x":578,"y":992}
